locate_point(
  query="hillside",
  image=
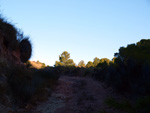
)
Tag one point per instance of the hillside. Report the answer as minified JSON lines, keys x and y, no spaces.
{"x":36,"y":64}
{"x":19,"y":84}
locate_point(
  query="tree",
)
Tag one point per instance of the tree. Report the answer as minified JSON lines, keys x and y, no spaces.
{"x":64,"y":60}
{"x":64,"y":57}
{"x":140,"y":52}
{"x":96,"y":61}
{"x":89,"y":64}
{"x":104,"y":62}
{"x":57,"y":63}
{"x":113,"y":60}
{"x":70,"y":62}
{"x":81,"y":64}
{"x":132,"y":65}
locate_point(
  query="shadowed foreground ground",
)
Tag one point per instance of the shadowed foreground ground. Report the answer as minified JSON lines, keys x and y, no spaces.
{"x":76,"y":95}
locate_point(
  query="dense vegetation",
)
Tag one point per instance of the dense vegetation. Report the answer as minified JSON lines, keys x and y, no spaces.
{"x":128,"y":71}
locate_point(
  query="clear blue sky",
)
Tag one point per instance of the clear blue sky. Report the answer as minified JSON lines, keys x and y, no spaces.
{"x":85,"y":28}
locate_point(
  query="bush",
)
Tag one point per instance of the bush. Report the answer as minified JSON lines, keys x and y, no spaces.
{"x":14,"y":39}
{"x":126,"y":77}
{"x":20,"y":82}
{"x":30,"y":85}
{"x":9,"y":34}
{"x":25,"y":49}
{"x":122,"y":105}
{"x":143,"y":105}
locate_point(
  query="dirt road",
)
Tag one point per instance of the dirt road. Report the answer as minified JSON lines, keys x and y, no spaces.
{"x":76,"y":95}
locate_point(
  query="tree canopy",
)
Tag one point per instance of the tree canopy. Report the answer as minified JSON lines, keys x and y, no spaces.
{"x":104,"y":62}
{"x":96,"y":61}
{"x":64,"y":60}
{"x":89,"y":64}
{"x":64,"y":57}
{"x":81,"y":64}
{"x":139,"y":52}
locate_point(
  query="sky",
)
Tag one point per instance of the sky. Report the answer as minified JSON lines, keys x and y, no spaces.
{"x":85,"y":28}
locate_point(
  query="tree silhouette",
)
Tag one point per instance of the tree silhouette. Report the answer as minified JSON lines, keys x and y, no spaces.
{"x":64,"y":57}
{"x":64,"y":60}
{"x":139,"y":52}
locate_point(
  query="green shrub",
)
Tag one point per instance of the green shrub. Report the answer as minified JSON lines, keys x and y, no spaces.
{"x":30,"y":85}
{"x":28,"y":64}
{"x":9,"y":34}
{"x":143,"y":105}
{"x":123,"y":105}
{"x":20,"y":82}
{"x":25,"y":49}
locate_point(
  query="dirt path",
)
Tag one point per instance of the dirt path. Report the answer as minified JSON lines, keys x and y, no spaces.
{"x":76,"y":95}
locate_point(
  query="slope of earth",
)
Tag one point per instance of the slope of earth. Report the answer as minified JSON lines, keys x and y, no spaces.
{"x":36,"y":65}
